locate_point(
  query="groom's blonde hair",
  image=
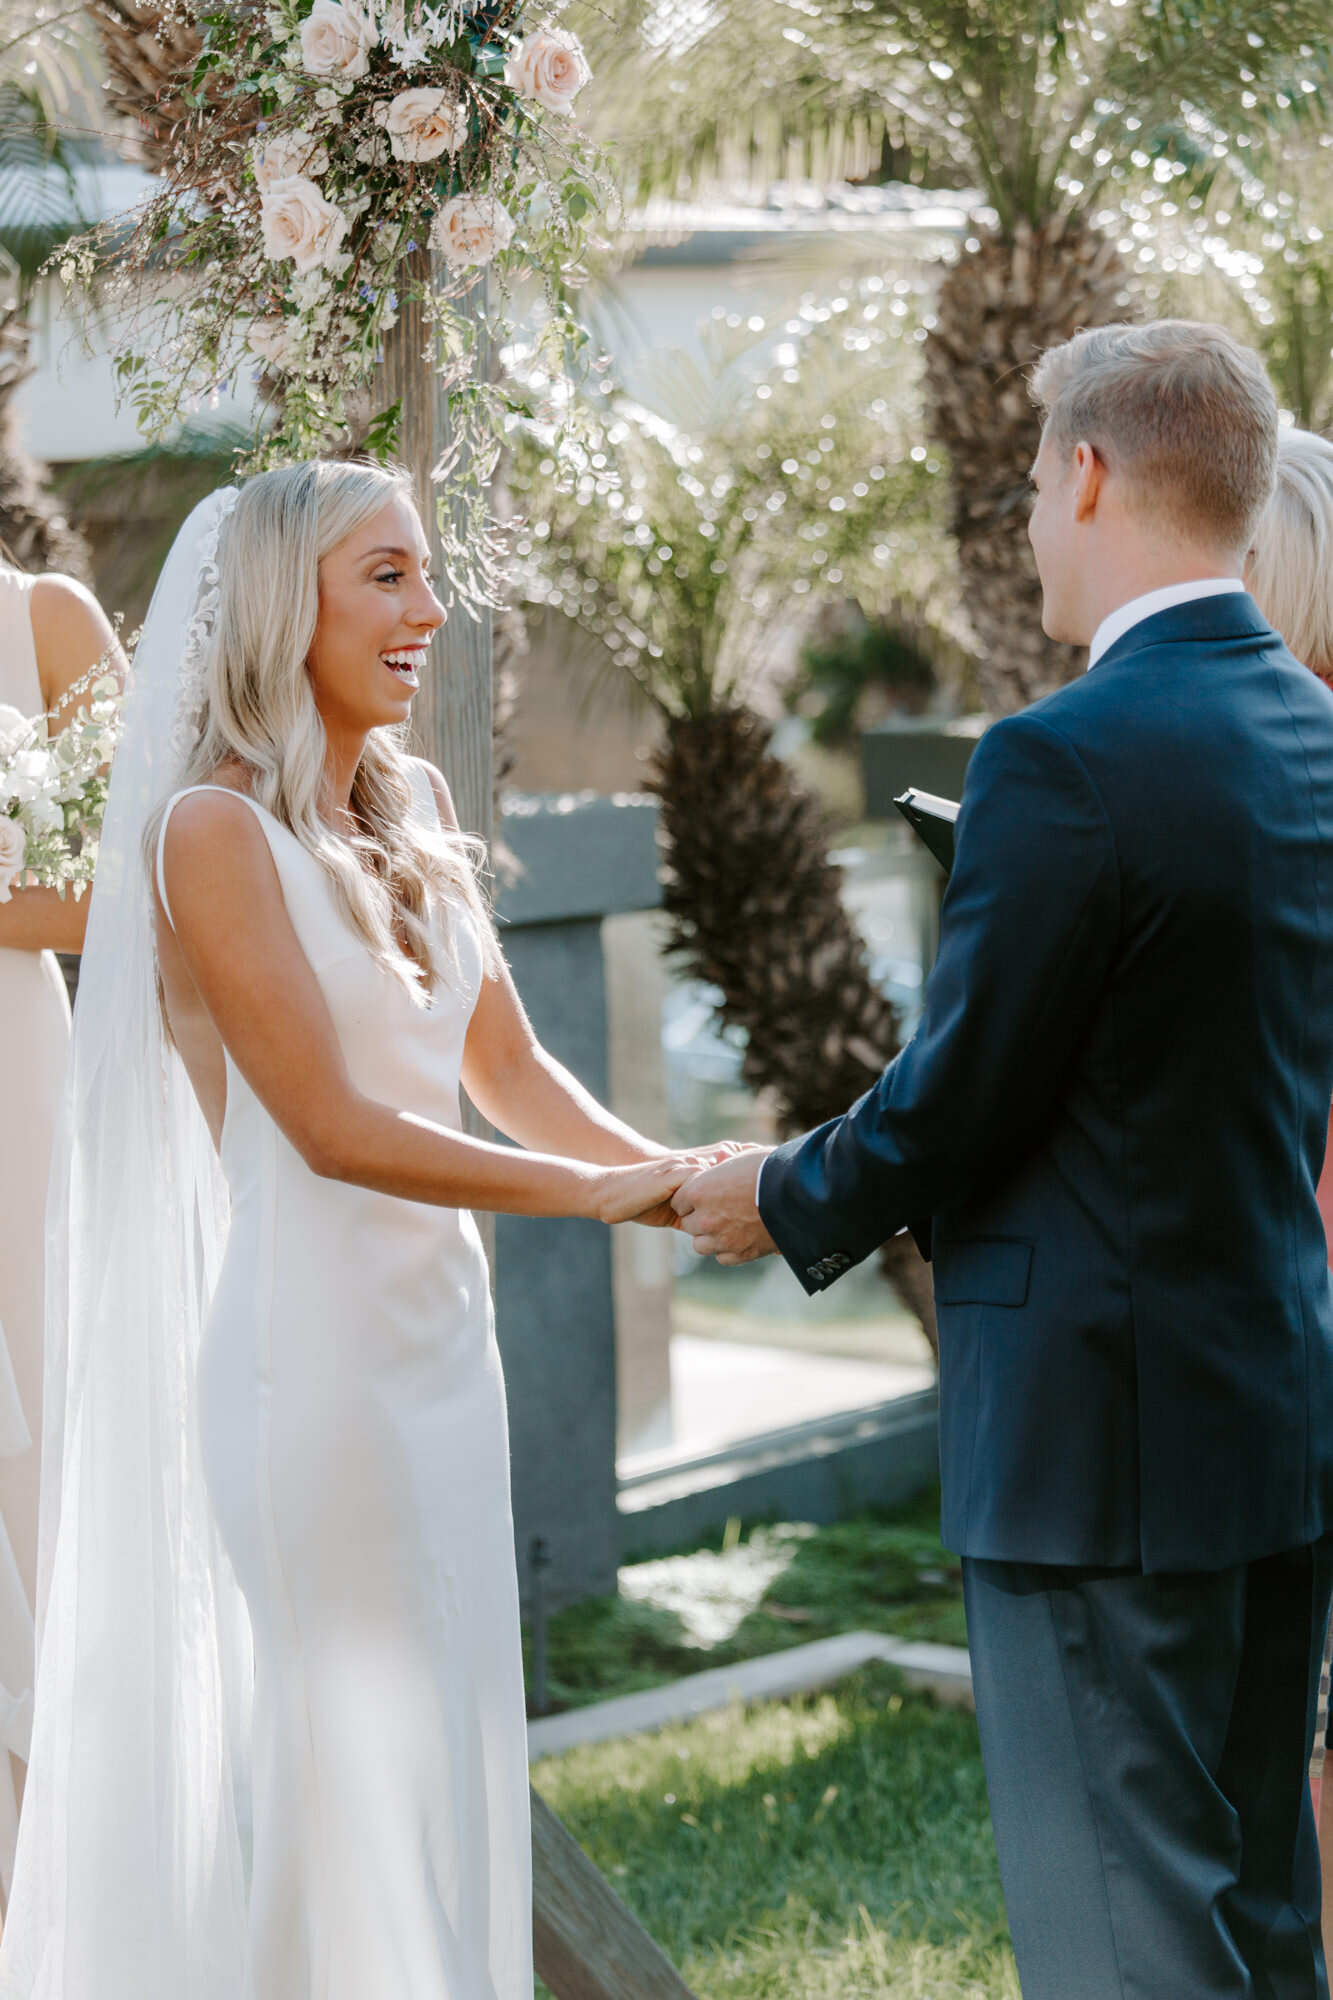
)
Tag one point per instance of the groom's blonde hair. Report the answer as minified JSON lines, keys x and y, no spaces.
{"x":1180,"y":410}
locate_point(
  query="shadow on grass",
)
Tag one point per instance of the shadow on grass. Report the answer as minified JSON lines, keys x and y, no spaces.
{"x":838,"y":1844}
{"x":883,"y":1572}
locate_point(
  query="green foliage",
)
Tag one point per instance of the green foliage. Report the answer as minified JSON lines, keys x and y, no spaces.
{"x":825,"y":1849}
{"x":877,"y":1573}
{"x":684,"y":537}
{"x":47,"y":66}
{"x":836,"y":675}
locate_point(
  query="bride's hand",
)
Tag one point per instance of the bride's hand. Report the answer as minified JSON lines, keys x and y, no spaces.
{"x":718,"y":1150}
{"x":642,"y":1192}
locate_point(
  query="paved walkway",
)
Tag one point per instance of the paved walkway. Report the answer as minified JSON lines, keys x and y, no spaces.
{"x":945,"y":1670}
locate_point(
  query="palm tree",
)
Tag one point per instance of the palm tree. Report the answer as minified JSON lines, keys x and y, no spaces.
{"x":47,"y":73}
{"x":687,"y":544}
{"x":149,"y":52}
{"x":1070,"y":124}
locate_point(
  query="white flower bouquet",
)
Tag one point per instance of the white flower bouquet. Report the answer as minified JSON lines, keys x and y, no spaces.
{"x":53,"y":790}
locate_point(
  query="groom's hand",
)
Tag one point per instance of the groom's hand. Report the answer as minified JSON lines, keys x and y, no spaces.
{"x":718,"y":1209}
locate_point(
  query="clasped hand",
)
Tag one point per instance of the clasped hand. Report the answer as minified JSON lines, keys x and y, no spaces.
{"x":708,"y":1192}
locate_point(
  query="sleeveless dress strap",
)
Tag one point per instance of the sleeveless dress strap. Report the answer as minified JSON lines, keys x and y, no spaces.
{"x":424,"y":801}
{"x":167,"y":811}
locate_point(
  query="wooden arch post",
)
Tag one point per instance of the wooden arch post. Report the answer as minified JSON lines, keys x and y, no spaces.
{"x":452,"y":713}
{"x":587,"y":1944}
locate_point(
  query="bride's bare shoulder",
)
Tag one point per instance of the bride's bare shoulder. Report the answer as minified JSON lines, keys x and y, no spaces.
{"x":212,"y":827}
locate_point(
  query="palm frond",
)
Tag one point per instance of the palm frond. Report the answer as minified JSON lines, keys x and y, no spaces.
{"x":49,"y":52}
{"x":1041,"y":106}
{"x":39,"y":196}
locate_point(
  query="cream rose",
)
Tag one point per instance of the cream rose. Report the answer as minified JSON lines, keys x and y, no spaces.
{"x":336,"y":39}
{"x":297,"y":222}
{"x":287,"y":154}
{"x":270,"y":339}
{"x":13,"y":846}
{"x":550,"y":68}
{"x":470,"y":228}
{"x":422,"y":124}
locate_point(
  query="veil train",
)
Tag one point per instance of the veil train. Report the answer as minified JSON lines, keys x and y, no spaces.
{"x":130,"y":1876}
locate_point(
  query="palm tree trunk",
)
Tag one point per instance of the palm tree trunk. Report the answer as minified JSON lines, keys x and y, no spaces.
{"x":33,"y":531}
{"x":999,"y":309}
{"x":755,"y":907}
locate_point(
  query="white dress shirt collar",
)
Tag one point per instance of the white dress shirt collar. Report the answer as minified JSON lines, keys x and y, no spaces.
{"x":1119,"y":622}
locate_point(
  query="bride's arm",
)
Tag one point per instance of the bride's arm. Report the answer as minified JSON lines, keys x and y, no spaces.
{"x":519,"y":1087}
{"x":247,"y":966}
{"x":528,"y":1095}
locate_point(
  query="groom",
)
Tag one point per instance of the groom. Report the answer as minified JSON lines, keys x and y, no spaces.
{"x":1114,"y":1113}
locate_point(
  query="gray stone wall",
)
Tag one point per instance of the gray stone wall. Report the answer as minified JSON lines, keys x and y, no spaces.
{"x":581,"y":860}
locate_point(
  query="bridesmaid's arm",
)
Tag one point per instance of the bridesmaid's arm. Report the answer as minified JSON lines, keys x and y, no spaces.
{"x":42,"y":920}
{"x":247,"y":969}
{"x":71,"y":633}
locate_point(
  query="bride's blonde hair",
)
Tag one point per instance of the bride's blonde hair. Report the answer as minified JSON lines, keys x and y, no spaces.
{"x":259,"y":710}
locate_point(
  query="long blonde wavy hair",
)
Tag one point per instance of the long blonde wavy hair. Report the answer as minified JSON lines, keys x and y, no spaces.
{"x":259,"y":710}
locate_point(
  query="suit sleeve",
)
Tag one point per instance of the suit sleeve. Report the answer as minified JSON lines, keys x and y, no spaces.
{"x":1027,"y":936}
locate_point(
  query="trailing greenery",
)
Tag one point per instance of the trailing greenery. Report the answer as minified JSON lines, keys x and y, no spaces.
{"x":831,"y":1848}
{"x":884,"y":1572}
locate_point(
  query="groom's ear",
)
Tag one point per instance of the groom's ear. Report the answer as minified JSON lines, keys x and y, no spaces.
{"x":1087,"y":478}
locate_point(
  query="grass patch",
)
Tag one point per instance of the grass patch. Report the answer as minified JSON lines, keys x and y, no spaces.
{"x":829,"y":1848}
{"x":884,"y":1572}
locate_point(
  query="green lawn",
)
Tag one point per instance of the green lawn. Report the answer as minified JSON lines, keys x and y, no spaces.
{"x":828,"y":1848}
{"x":882,"y":1573}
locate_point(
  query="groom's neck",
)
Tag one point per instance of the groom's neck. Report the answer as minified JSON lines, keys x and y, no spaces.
{"x":1121,"y":568}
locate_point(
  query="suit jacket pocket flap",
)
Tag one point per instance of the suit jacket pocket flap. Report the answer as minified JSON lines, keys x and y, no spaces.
{"x":982,"y":1271}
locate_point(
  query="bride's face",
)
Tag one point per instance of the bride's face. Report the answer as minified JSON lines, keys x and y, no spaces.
{"x":377,"y":616}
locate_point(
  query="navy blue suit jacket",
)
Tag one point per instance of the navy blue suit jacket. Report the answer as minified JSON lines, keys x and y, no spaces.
{"x":1115,"y":1110}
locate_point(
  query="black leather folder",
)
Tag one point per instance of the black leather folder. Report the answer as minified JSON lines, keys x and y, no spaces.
{"x":932,"y":819}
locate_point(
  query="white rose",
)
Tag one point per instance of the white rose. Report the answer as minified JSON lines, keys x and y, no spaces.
{"x":297,"y":222}
{"x":13,"y":846}
{"x":14,"y":727}
{"x":336,"y":39}
{"x":422,"y":124}
{"x":471,"y":228}
{"x":29,"y":775}
{"x":550,"y":68}
{"x":43,"y":813}
{"x":270,"y":339}
{"x":286,"y":154}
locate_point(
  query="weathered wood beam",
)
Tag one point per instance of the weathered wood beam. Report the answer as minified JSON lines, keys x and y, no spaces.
{"x":586,"y":1944}
{"x":452,"y":715}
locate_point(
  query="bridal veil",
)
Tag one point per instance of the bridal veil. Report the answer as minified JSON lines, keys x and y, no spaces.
{"x":129,"y":1882}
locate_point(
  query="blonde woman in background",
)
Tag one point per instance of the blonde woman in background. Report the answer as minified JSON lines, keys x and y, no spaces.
{"x":1290,"y":576}
{"x":51,"y":631}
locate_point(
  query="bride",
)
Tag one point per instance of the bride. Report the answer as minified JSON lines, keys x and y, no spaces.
{"x":319,"y":1793}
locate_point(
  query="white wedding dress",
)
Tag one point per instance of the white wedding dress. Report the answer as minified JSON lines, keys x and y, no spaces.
{"x":352,"y":1419}
{"x":34,"y":1043}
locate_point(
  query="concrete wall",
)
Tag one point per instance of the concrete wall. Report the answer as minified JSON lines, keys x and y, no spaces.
{"x":582,"y":859}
